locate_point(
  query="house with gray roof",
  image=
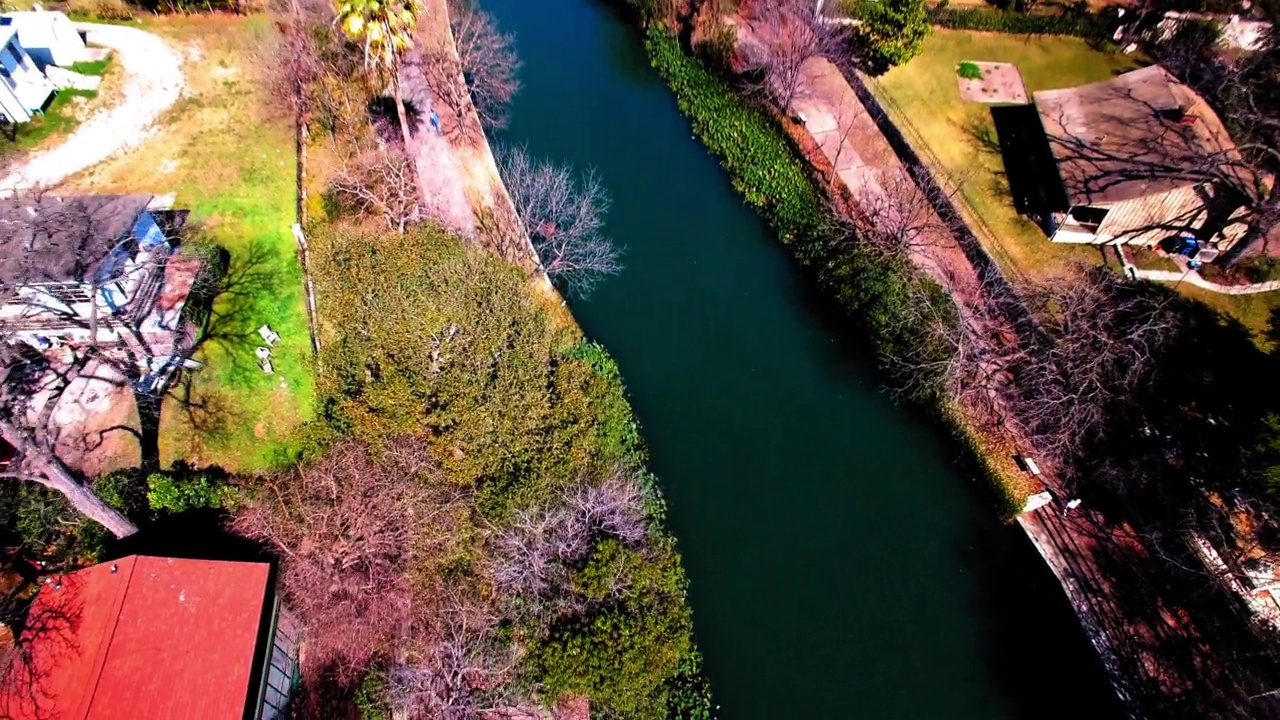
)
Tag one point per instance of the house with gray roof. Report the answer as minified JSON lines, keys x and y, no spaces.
{"x":1136,"y":160}
{"x":91,"y":270}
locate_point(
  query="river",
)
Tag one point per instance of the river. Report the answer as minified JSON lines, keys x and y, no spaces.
{"x":841,"y":565}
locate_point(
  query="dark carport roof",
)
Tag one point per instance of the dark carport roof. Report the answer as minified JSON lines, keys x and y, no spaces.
{"x":61,"y":239}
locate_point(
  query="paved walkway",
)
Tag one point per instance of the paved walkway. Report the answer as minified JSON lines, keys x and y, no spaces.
{"x":1191,"y":277}
{"x":461,"y":151}
{"x":152,"y":82}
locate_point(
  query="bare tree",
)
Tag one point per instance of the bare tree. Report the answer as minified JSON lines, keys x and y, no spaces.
{"x":489,"y":61}
{"x":380,"y":182}
{"x":456,"y":665}
{"x":344,"y":527}
{"x":1101,"y":339}
{"x":563,"y":216}
{"x":898,"y":215}
{"x":94,"y":310}
{"x":536,"y":554}
{"x":792,"y":35}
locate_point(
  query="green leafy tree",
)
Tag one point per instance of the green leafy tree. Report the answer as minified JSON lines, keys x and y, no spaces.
{"x":386,"y":30}
{"x":894,"y":31}
{"x":622,"y":651}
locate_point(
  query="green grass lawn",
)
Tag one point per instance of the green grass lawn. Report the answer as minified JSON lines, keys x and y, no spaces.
{"x":228,"y":154}
{"x":957,"y":137}
{"x":1252,"y":311}
{"x":62,"y":115}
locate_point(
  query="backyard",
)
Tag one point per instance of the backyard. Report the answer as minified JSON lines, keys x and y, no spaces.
{"x":958,"y":138}
{"x":230,"y":160}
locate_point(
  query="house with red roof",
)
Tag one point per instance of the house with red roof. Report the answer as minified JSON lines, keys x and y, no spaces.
{"x":152,"y":638}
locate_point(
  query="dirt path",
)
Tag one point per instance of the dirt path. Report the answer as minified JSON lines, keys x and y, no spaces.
{"x":457,"y":173}
{"x":152,"y":83}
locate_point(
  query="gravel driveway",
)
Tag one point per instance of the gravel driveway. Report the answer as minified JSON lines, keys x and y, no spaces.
{"x":152,"y":82}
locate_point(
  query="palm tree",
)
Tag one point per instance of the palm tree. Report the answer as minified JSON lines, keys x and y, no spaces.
{"x":386,"y":28}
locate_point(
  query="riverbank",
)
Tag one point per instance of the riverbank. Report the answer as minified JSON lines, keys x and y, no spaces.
{"x":876,"y":291}
{"x":1141,"y":643}
{"x":519,"y":410}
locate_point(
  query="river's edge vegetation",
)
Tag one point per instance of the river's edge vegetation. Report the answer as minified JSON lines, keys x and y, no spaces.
{"x":484,"y":459}
{"x":506,"y":457}
{"x":871,"y":287}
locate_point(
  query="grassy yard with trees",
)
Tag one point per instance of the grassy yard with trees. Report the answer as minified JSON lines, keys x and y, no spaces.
{"x":472,"y":455}
{"x":958,"y":139}
{"x":227,"y":152}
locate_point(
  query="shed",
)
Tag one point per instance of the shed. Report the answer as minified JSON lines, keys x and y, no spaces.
{"x":50,"y":38}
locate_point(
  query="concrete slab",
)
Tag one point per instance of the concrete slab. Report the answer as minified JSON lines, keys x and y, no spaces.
{"x":1000,"y":84}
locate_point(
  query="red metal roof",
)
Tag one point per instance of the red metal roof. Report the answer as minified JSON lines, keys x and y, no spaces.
{"x":155,"y":638}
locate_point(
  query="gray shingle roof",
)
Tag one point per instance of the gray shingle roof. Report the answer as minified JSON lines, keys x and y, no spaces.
{"x":61,"y":239}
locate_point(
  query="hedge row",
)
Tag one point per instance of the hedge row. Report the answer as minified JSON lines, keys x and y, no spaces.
{"x":1093,"y":27}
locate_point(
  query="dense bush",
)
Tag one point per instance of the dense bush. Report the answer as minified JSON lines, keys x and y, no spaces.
{"x":170,"y":493}
{"x":621,"y":654}
{"x":100,"y":9}
{"x":760,"y":162}
{"x":893,"y":30}
{"x":45,"y":523}
{"x":523,"y":419}
{"x":185,"y":7}
{"x":1089,"y":26}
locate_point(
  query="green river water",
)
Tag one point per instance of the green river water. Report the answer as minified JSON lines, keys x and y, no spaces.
{"x":841,"y":565}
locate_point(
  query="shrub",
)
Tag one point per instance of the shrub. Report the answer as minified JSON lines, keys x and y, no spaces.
{"x":514,"y":404}
{"x":969,"y":71}
{"x":894,"y":31}
{"x":44,"y":522}
{"x":689,"y":692}
{"x":170,"y":493}
{"x":100,"y":9}
{"x":1093,"y":27}
{"x":622,"y":654}
{"x":186,"y":7}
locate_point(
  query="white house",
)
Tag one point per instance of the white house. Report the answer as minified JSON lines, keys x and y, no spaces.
{"x":24,"y":90}
{"x":50,"y":38}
